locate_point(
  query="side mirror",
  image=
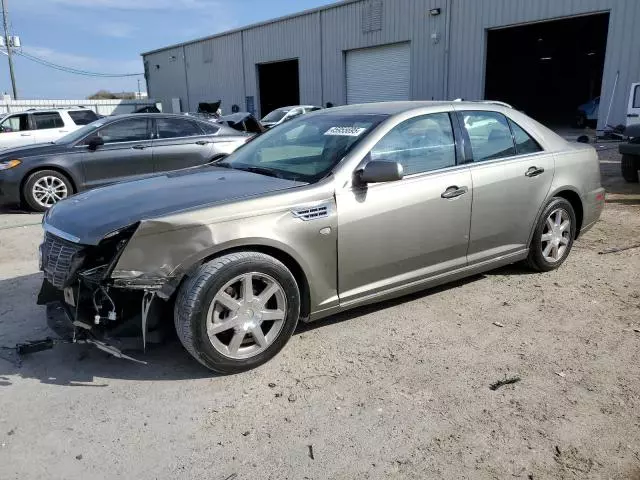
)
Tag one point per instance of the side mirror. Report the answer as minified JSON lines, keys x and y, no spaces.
{"x":380,"y":171}
{"x":95,"y":142}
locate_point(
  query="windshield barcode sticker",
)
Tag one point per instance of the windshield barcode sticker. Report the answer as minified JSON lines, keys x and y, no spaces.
{"x":345,"y":131}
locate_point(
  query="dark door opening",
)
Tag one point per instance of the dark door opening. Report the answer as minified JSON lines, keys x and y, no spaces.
{"x":279,"y":85}
{"x":548,"y":69}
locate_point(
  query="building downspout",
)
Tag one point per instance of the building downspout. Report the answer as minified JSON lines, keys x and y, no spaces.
{"x":447,"y":40}
{"x":186,"y":77}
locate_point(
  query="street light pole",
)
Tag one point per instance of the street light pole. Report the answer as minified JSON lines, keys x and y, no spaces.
{"x":5,"y":23}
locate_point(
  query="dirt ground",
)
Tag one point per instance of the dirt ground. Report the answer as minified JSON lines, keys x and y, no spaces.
{"x":398,"y":390}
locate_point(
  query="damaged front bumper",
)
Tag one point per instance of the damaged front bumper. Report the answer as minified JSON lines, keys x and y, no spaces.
{"x":84,"y":304}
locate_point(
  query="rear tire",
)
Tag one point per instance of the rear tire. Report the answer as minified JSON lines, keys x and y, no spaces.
{"x":212,"y":311}
{"x":630,"y":165}
{"x":45,"y":188}
{"x":552,"y":238}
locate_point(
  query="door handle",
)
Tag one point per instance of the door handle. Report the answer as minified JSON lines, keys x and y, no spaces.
{"x":454,"y":191}
{"x":25,"y":134}
{"x":202,"y":142}
{"x":534,"y":171}
{"x":634,"y":115}
{"x":139,"y":147}
{"x":63,"y":131}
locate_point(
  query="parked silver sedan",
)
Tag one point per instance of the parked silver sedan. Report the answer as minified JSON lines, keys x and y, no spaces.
{"x":334,"y":210}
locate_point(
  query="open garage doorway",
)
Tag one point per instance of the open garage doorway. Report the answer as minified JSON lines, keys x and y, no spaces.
{"x":547,"y":69}
{"x":279,"y":85}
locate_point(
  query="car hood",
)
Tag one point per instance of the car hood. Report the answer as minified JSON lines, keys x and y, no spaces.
{"x":33,"y":150}
{"x":89,"y":216}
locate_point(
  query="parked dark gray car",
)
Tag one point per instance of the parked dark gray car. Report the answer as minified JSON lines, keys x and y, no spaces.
{"x":110,"y":150}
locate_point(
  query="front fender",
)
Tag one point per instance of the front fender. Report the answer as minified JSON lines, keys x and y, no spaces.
{"x":178,"y":248}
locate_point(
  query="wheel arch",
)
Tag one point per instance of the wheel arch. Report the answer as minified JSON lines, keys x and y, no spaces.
{"x":571,"y":196}
{"x":55,"y":168}
{"x":279,"y":253}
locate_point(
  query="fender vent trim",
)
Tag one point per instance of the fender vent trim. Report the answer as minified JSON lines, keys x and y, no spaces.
{"x":311,"y":213}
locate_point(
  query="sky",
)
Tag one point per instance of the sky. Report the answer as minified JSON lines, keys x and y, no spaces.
{"x":108,"y":36}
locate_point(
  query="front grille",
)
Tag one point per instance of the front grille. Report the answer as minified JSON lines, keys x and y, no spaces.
{"x":57,"y":260}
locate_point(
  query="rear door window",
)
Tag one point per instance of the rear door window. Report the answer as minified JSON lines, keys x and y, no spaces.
{"x":47,"y":120}
{"x":83,"y":117}
{"x":524,"y":143}
{"x":209,"y":128}
{"x":489,"y":134}
{"x":177,"y":127}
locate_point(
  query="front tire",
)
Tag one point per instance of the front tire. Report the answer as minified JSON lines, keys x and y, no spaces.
{"x":237,"y":311}
{"x":630,"y":164}
{"x":553,"y":236}
{"x":44,"y":188}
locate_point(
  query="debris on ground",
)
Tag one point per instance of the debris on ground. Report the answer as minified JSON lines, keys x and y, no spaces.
{"x":292,"y":398}
{"x":79,"y":457}
{"x":310,"y":447}
{"x":272,"y":385}
{"x":618,"y":249}
{"x":506,"y":381}
{"x":561,"y":374}
{"x":498,"y":324}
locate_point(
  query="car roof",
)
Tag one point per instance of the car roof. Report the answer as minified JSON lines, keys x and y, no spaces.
{"x":394,"y":108}
{"x":50,"y":110}
{"x":151,"y":115}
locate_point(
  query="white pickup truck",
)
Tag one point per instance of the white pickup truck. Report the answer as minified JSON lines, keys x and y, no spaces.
{"x":42,"y":126}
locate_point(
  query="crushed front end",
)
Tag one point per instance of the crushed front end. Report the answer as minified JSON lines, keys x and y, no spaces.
{"x":83,"y":302}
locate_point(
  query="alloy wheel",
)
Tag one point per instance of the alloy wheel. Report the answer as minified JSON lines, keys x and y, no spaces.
{"x":49,"y":190}
{"x":246,"y":315}
{"x":556,"y":235}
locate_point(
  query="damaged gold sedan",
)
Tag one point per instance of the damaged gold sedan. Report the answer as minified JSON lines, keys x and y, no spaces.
{"x":339,"y":208}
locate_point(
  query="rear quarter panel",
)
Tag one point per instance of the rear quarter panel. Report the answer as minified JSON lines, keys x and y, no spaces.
{"x":578,"y":169}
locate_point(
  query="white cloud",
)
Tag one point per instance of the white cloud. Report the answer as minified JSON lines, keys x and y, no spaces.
{"x":139,"y":4}
{"x":113,"y":29}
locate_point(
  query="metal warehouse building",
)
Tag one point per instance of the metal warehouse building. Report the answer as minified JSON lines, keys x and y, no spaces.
{"x":545,"y":57}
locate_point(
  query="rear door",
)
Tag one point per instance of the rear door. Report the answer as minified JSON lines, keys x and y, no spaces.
{"x":633,"y":110}
{"x":126,"y":154}
{"x":180,"y":143}
{"x":48,"y":126}
{"x":16,"y":130}
{"x":511,"y":176}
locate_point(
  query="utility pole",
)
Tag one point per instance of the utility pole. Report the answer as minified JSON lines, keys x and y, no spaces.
{"x":5,"y":23}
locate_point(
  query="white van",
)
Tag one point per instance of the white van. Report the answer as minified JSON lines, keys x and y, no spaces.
{"x":633,"y":108}
{"x":42,"y":126}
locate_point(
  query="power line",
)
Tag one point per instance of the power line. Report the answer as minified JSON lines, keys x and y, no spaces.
{"x":73,"y":70}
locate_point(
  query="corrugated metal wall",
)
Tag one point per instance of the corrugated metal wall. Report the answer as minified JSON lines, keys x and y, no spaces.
{"x":214,"y":71}
{"x":402,"y":21}
{"x":293,"y":38}
{"x":320,"y":39}
{"x":166,"y":77}
{"x":471,"y":18}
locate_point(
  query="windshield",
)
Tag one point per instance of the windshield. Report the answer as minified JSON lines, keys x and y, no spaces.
{"x":81,"y":132}
{"x":276,"y":115}
{"x":305,"y":149}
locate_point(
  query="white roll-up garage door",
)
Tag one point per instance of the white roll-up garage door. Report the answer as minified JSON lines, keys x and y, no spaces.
{"x":378,"y":74}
